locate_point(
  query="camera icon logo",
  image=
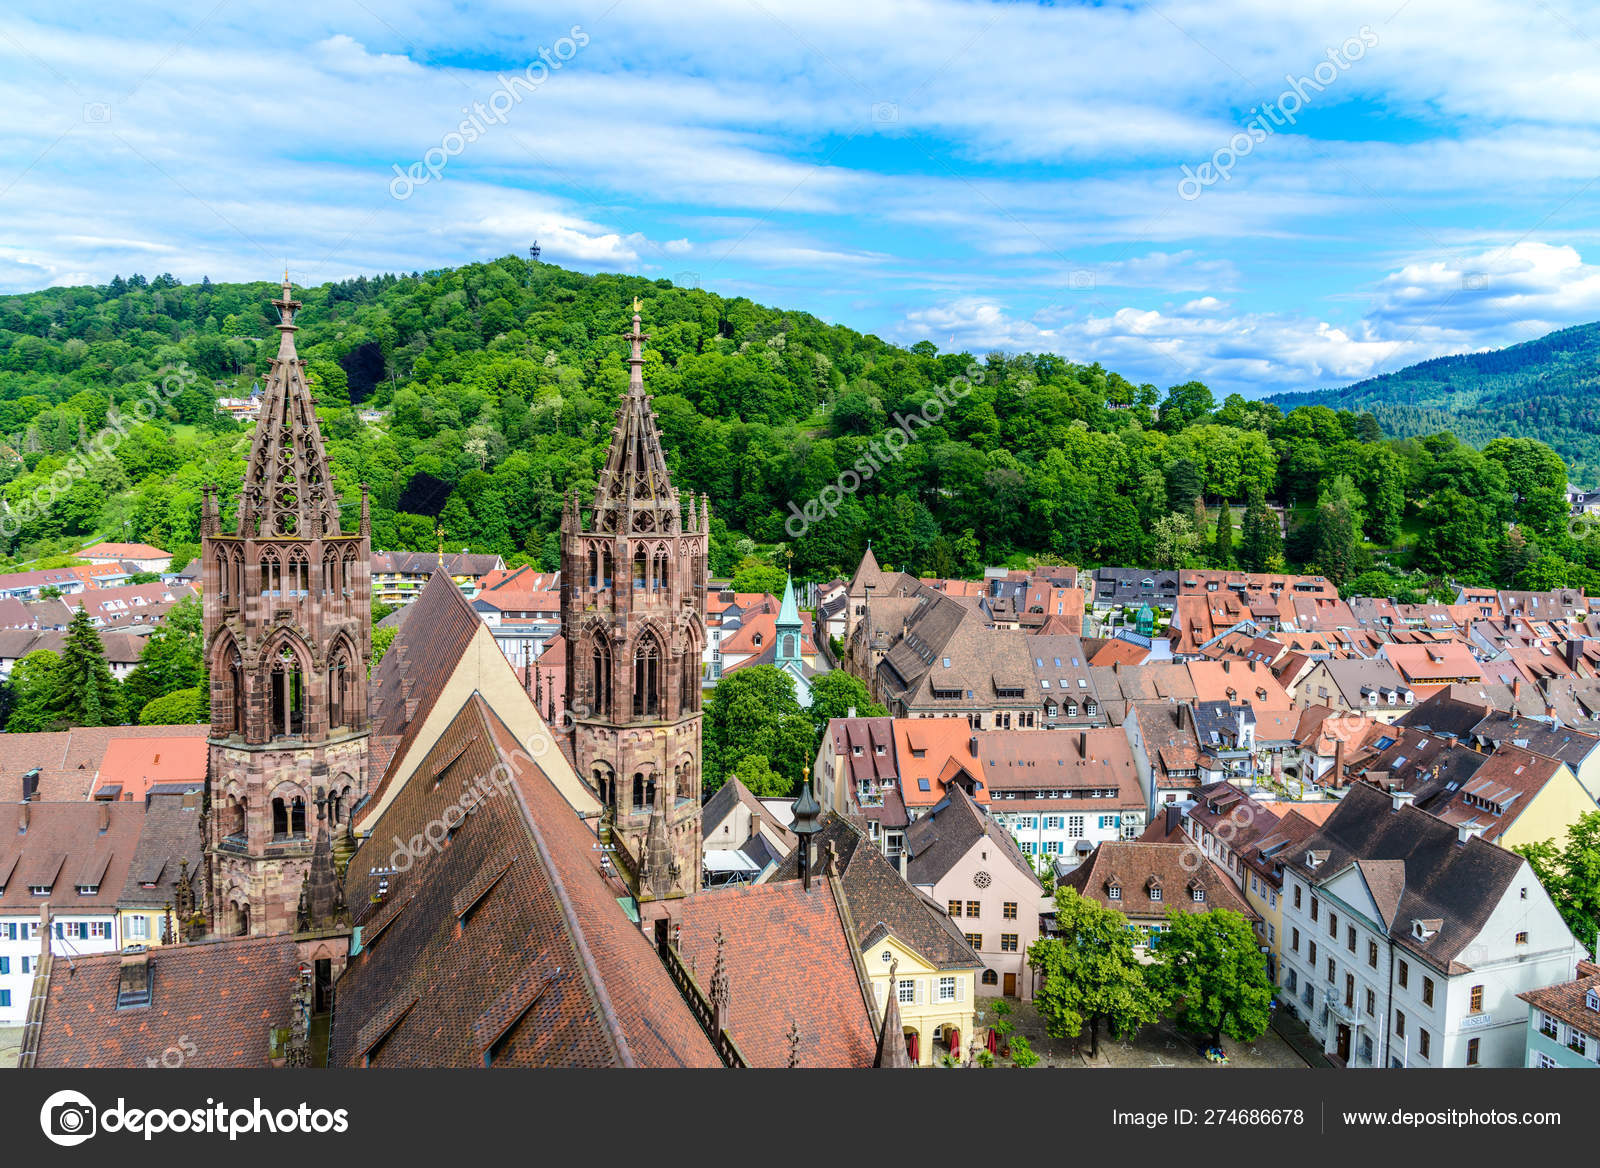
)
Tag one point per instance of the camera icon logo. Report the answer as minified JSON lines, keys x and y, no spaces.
{"x":96,"y":111}
{"x":885,"y":111}
{"x":68,"y":1118}
{"x":1081,"y":280}
{"x":1475,"y":281}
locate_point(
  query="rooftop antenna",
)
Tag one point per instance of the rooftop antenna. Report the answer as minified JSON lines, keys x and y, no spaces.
{"x":533,"y":252}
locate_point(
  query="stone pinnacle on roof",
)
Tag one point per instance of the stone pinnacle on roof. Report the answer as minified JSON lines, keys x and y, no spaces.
{"x":721,"y":990}
{"x":891,"y":1039}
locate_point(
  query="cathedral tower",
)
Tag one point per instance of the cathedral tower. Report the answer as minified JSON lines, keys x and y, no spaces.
{"x":633,"y":575}
{"x":288,"y":608}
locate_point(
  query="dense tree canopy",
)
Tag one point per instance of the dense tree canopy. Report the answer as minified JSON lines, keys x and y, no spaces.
{"x":494,"y":386}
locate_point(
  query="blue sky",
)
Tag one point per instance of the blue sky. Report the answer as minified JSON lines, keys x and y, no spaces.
{"x":1424,"y":175}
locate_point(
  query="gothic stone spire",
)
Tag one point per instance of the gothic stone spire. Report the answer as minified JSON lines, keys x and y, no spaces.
{"x":635,"y":494}
{"x":287,"y":487}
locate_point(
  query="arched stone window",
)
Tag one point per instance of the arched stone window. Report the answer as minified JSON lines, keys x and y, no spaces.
{"x":689,"y":681}
{"x":288,"y":817}
{"x":340,"y":683}
{"x":594,"y":567}
{"x":227,"y":669}
{"x":271,"y":573}
{"x":660,"y":572}
{"x":600,"y":665}
{"x":647,"y":677}
{"x":332,"y":589}
{"x":297,"y":578}
{"x":638,"y":790}
{"x":639,"y":574}
{"x":287,"y":694}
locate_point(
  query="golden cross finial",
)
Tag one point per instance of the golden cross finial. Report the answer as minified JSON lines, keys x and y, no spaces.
{"x":636,"y":306}
{"x":440,"y":532}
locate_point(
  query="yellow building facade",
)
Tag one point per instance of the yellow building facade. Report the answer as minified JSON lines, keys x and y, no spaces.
{"x":937,"y":1006}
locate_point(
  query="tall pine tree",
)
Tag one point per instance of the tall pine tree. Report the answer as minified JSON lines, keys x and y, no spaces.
{"x":88,"y":694}
{"x":1261,"y":541}
{"x":1222,"y":539}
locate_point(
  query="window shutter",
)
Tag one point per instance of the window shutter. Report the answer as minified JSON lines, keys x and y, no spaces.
{"x":961,"y":988}
{"x":922,"y":991}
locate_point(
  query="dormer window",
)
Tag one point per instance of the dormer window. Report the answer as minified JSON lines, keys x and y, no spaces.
{"x":1592,"y":1000}
{"x":1198,"y":893}
{"x":1114,"y":891}
{"x":39,"y":890}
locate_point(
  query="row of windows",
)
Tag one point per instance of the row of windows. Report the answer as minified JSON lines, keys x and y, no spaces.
{"x":1578,"y":1041}
{"x":1008,"y":942}
{"x":1197,"y":894}
{"x":1008,"y":909}
{"x":911,"y":991}
{"x":64,"y":930}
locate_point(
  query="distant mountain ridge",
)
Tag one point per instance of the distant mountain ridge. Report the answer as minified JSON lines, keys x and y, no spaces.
{"x":1547,"y":389}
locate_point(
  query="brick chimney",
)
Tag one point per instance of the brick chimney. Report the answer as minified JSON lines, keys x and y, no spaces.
{"x":30,"y":785}
{"x":1401,"y":798}
{"x":1338,"y":761}
{"x":1083,"y":744}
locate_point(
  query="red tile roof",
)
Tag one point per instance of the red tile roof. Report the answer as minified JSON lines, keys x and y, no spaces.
{"x":507,"y":939}
{"x":212,"y":1005}
{"x":772,"y":932}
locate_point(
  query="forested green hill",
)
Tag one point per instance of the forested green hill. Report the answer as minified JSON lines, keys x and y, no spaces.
{"x":496,"y":384}
{"x":1547,"y":389}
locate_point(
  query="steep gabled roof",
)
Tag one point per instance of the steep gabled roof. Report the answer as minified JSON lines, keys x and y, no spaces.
{"x":940,"y":839}
{"x":538,"y":962}
{"x":1457,"y":884}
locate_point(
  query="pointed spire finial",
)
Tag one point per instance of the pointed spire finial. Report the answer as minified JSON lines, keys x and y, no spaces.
{"x":892,"y":1051}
